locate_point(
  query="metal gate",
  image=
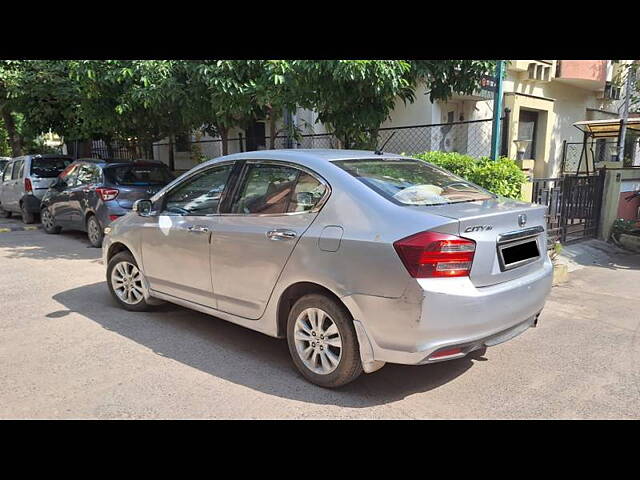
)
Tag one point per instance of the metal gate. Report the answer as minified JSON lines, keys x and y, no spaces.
{"x":574,"y":203}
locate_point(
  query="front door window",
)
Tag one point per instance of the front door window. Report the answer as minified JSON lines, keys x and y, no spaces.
{"x":200,"y":195}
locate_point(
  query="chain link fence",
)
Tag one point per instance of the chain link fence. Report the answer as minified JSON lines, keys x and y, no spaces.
{"x":600,"y":150}
{"x":469,"y":137}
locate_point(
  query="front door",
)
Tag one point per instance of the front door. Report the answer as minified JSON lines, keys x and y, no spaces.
{"x":273,"y":206}
{"x":175,"y":243}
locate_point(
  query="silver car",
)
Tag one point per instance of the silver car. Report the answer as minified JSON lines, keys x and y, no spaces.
{"x":356,"y":258}
{"x":24,"y":182}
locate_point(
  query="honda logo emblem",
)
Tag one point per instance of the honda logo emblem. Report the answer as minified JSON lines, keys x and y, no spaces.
{"x":522,"y":219}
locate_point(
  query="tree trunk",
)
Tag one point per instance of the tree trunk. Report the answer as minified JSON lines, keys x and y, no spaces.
{"x":14,"y":138}
{"x":224,"y":135}
{"x":272,"y":130}
{"x":172,"y":163}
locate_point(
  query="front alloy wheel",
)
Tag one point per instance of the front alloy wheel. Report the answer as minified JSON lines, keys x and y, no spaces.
{"x":126,"y":281}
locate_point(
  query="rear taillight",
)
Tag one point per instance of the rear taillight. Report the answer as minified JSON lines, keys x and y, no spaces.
{"x":28,"y":187}
{"x":432,"y":254}
{"x":107,"y":193}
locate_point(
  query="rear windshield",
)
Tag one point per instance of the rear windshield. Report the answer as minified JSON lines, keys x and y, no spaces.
{"x":142,"y":175}
{"x":413,"y":182}
{"x":49,"y":167}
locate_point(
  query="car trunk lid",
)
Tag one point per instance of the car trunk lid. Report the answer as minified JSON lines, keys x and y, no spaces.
{"x":498,"y":223}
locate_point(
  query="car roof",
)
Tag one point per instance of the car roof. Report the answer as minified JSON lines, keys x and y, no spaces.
{"x":312,"y":154}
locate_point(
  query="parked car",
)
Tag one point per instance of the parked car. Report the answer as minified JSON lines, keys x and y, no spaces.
{"x":24,"y":182}
{"x":356,"y":258}
{"x":91,"y":193}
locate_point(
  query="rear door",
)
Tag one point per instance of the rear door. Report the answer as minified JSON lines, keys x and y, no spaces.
{"x":6,"y":186}
{"x":272,"y":207}
{"x":87,"y":178}
{"x":15,"y":187}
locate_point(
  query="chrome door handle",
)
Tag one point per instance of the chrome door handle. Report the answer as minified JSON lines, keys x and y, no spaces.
{"x":198,"y":229}
{"x":281,"y":234}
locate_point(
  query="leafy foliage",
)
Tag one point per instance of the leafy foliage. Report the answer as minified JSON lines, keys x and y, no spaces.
{"x":146,"y":100}
{"x":502,"y":177}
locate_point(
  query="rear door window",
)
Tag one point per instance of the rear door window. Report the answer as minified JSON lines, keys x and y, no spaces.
{"x":49,"y":167}
{"x":18,"y":169}
{"x":88,"y":174}
{"x":277,"y":189}
{"x":6,"y":175}
{"x":267,"y":189}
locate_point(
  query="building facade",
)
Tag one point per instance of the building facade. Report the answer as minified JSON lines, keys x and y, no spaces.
{"x":544,"y":98}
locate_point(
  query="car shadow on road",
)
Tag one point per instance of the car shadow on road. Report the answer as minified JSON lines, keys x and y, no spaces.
{"x":246,"y":357}
{"x":68,"y":245}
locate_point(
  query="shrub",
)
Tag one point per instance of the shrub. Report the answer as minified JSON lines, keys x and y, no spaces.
{"x":502,"y":177}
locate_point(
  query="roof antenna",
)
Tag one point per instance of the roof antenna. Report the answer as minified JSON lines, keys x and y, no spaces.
{"x":379,"y":150}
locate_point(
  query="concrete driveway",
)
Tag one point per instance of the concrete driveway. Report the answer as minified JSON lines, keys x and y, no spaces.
{"x":67,"y":351}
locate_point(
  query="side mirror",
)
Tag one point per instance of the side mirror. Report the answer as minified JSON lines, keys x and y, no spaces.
{"x":142,"y":207}
{"x":59,"y":184}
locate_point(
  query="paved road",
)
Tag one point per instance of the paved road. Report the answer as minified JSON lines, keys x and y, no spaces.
{"x":67,"y":351}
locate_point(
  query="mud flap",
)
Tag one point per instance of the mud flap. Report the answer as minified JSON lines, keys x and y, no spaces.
{"x":369,"y":365}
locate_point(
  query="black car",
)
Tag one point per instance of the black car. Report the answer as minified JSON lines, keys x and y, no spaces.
{"x":91,"y":193}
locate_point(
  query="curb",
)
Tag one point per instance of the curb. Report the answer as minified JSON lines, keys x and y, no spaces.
{"x":19,"y":229}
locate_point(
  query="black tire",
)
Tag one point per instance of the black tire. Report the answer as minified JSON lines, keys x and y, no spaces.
{"x":49,"y":222}
{"x":27,"y":217}
{"x":4,"y":213}
{"x":350,"y":365}
{"x":141,"y":306}
{"x":95,"y":236}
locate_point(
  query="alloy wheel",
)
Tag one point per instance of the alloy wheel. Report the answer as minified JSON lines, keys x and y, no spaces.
{"x":318,"y":342}
{"x":126,"y":281}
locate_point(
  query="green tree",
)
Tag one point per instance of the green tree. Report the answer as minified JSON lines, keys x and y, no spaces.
{"x":354,"y":97}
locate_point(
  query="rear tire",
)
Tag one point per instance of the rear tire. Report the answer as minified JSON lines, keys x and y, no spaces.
{"x":27,"y":217}
{"x":4,"y":213}
{"x":95,"y":233}
{"x":323,"y":342}
{"x":125,"y":282}
{"x":49,"y":222}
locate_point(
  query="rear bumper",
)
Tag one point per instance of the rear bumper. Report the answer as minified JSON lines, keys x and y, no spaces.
{"x":106,"y":209}
{"x":450,"y":312}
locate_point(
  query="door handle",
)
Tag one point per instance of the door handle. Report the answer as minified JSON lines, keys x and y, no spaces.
{"x":198,"y":229}
{"x":281,"y":234}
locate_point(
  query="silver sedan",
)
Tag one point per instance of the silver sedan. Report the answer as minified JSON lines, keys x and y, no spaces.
{"x":356,"y":258}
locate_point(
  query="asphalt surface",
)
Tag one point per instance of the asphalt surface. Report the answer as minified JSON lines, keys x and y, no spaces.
{"x":68,"y":351}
